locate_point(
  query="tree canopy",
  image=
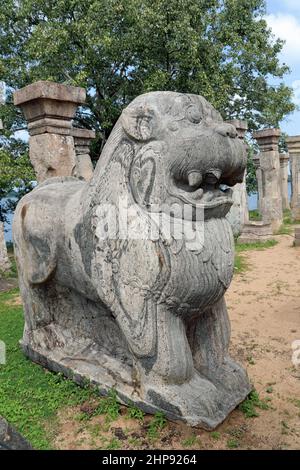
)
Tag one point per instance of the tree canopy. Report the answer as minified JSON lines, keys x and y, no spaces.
{"x":118,"y":49}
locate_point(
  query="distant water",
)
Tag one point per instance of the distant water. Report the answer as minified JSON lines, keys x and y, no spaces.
{"x":252,"y":200}
{"x":252,"y":204}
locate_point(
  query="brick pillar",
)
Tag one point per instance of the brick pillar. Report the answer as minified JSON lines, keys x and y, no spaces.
{"x":270,"y":185}
{"x":49,"y":109}
{"x":238,"y":215}
{"x":293,"y":144}
{"x":284,"y":163}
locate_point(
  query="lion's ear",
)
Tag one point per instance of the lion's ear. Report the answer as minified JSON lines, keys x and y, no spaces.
{"x":139,"y":122}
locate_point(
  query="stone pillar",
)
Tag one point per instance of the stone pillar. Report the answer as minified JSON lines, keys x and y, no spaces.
{"x":258,"y":172}
{"x":84,"y":167}
{"x":284,"y":163}
{"x":49,"y":109}
{"x":293,"y":144}
{"x":5,"y":264}
{"x":270,"y":185}
{"x":238,"y":215}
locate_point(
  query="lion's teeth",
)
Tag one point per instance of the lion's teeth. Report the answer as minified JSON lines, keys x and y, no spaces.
{"x":195,"y":178}
{"x":198,"y":194}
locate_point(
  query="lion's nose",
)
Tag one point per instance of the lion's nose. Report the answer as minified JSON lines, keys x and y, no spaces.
{"x":227,"y":130}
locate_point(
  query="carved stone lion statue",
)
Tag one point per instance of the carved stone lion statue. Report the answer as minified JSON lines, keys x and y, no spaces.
{"x":143,"y":314}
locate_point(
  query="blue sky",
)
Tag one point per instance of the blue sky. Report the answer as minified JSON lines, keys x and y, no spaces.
{"x":283,"y":17}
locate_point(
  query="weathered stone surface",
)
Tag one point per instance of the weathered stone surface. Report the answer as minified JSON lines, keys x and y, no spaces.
{"x":52,"y":155}
{"x":269,"y":177}
{"x":4,"y":260}
{"x":10,"y":439}
{"x":284,"y":163}
{"x":55,"y":147}
{"x":84,"y":167}
{"x":297,"y":236}
{"x":238,"y":215}
{"x":141,"y":310}
{"x":49,"y":104}
{"x":293,"y":144}
{"x":255,"y":232}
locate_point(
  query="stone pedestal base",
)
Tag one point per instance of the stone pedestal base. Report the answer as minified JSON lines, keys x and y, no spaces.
{"x":297,"y":236}
{"x":255,"y":232}
{"x":296,"y":213}
{"x":81,"y":359}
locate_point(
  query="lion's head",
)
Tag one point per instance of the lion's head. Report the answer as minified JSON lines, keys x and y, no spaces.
{"x":175,"y":148}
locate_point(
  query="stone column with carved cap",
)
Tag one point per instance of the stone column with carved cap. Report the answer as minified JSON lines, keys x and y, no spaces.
{"x":284,"y":163}
{"x":238,"y":215}
{"x":270,"y":186}
{"x":49,"y":109}
{"x":293,"y":144}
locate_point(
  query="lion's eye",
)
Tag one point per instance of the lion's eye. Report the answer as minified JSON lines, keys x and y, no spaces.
{"x":193,"y":114}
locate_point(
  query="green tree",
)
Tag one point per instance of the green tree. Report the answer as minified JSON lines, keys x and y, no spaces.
{"x":117,"y":49}
{"x":16,"y":176}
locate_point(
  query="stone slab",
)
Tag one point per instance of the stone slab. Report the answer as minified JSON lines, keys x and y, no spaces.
{"x":49,"y":90}
{"x":10,"y":439}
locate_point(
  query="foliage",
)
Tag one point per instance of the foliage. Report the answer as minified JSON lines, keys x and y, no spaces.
{"x":288,"y":218}
{"x":117,"y":49}
{"x":135,"y":412}
{"x":157,"y":423}
{"x":232,"y":444}
{"x":109,"y":406}
{"x":248,"y":406}
{"x":16,"y":175}
{"x":190,"y":441}
{"x":254,"y":215}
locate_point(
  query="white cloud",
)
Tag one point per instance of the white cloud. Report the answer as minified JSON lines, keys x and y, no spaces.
{"x":296,"y":90}
{"x":287,"y":27}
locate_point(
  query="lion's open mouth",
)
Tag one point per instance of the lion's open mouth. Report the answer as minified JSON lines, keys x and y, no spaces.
{"x":204,"y":193}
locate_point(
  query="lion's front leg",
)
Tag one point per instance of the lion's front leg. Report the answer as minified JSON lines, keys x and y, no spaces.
{"x":168,"y":380}
{"x":209,"y":338}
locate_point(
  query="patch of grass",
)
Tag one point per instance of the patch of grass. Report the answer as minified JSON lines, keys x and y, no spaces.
{"x":240,"y":264}
{"x":232,"y":444}
{"x":114,"y":444}
{"x":134,"y":441}
{"x":284,"y":230}
{"x":295,"y":402}
{"x":157,"y":423}
{"x":254,"y":215}
{"x":255,"y":246}
{"x":269,"y":389}
{"x":248,"y":406}
{"x":189,"y":441}
{"x":30,"y":395}
{"x":109,"y":406}
{"x":215,"y":435}
{"x":250,"y":360}
{"x":288,"y":218}
{"x":135,"y":413}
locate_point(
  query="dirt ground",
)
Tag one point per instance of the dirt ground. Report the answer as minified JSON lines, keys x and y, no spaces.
{"x":264,"y":307}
